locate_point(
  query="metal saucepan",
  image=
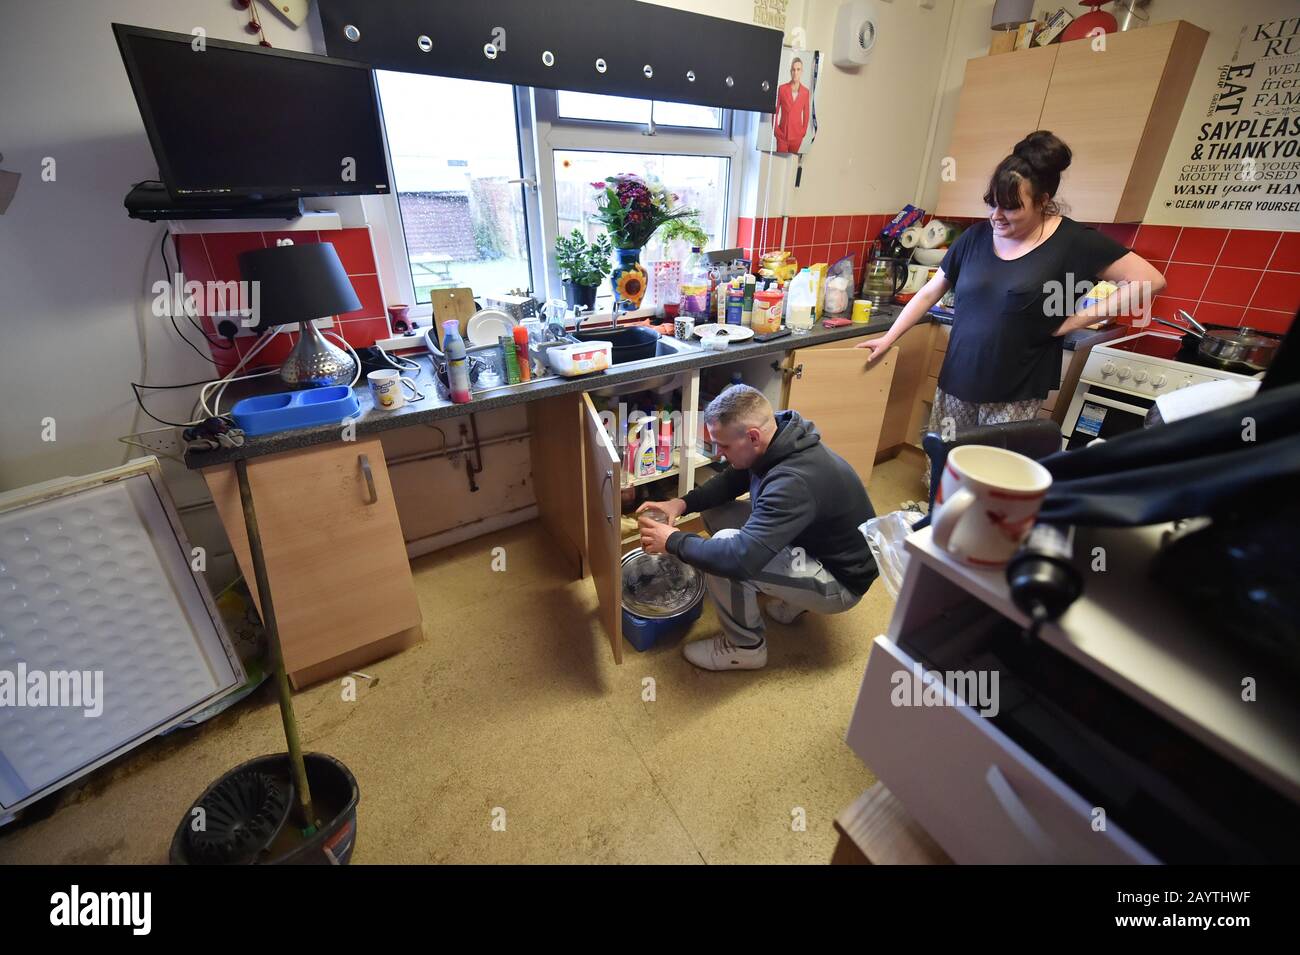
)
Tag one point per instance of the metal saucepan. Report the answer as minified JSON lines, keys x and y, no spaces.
{"x":1240,"y":346}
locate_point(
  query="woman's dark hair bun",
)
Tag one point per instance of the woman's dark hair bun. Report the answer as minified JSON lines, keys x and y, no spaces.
{"x":1038,"y":159}
{"x":1045,"y":151}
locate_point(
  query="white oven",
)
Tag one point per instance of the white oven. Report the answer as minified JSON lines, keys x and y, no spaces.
{"x":1121,"y":380}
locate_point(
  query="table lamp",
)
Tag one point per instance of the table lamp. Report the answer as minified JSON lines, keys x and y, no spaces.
{"x":301,"y":283}
{"x":1009,"y":14}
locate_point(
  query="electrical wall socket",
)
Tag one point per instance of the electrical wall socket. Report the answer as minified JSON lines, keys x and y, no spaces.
{"x":245,"y":332}
{"x":163,"y":441}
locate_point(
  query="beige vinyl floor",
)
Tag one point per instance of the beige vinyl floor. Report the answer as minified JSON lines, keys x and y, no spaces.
{"x":512,"y":708}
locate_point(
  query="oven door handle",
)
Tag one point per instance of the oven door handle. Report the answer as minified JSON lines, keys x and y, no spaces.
{"x":1112,"y":403}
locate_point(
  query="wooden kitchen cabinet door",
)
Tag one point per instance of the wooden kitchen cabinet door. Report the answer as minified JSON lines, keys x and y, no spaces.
{"x":556,"y":440}
{"x":335,"y":557}
{"x":833,"y":386}
{"x":1001,"y":100}
{"x":603,"y":471}
{"x":1117,"y":110}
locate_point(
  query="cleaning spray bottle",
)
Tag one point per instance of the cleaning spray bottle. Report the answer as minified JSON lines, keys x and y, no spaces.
{"x":453,"y":346}
{"x":664,"y":458}
{"x":645,"y":459}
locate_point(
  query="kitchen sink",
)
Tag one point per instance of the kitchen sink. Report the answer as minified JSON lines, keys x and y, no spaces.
{"x":664,"y":348}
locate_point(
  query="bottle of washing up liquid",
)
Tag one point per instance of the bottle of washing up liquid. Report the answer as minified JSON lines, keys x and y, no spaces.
{"x":664,"y":458}
{"x":453,"y":346}
{"x":695,"y":287}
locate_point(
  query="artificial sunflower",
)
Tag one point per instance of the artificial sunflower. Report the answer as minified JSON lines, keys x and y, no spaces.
{"x":631,"y":285}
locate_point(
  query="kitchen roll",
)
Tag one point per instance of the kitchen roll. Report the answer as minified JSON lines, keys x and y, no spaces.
{"x":936,"y":234}
{"x":910,"y":237}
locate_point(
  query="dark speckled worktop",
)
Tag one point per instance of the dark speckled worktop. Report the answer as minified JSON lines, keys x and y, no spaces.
{"x":432,"y":409}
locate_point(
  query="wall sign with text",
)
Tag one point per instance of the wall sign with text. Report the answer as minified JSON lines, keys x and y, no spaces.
{"x":1239,"y":165}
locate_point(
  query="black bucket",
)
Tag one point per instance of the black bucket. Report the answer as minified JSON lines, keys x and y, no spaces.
{"x":334,"y":795}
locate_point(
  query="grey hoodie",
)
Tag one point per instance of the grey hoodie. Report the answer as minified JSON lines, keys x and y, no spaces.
{"x":802,"y":494}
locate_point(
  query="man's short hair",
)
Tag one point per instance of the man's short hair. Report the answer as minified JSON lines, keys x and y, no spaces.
{"x":738,"y":405}
{"x":798,"y":60}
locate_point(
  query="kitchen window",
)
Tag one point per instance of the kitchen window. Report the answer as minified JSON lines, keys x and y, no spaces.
{"x":624,"y":109}
{"x":454,"y":148}
{"x":486,"y":175}
{"x":584,"y":137}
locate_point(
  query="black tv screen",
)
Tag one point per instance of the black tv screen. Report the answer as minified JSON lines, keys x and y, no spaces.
{"x":232,"y":119}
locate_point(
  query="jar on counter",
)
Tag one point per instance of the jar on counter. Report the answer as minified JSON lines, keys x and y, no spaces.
{"x":767,"y":311}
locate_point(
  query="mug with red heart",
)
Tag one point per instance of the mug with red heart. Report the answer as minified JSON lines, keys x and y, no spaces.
{"x":987,"y":503}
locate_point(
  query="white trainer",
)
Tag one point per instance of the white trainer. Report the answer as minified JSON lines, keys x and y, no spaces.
{"x":719,"y":653}
{"x":783,"y":612}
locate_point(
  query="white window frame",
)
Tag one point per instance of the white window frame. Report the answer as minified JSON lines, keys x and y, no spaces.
{"x":540,"y":132}
{"x":557,"y":133}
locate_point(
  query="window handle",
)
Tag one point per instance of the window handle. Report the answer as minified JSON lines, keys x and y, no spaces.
{"x":528,"y":182}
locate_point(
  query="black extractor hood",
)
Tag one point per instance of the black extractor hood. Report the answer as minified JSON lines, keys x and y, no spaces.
{"x":619,"y":47}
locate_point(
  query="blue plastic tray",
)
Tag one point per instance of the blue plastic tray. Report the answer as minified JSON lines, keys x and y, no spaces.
{"x":285,"y":410}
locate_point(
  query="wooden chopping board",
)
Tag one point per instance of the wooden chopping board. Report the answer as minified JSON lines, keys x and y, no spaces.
{"x":449,"y":303}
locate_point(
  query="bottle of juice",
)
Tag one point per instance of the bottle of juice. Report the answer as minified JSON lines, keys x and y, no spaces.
{"x":802,"y":299}
{"x":695,"y":287}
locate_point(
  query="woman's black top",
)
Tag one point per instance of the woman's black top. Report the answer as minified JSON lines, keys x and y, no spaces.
{"x":1001,"y":347}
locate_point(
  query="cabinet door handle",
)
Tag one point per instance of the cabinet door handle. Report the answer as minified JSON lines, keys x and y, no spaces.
{"x":607,"y":503}
{"x":1020,"y":815}
{"x":370,"y":478}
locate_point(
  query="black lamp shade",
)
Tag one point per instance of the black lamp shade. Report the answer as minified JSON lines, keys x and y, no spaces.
{"x":298,"y":283}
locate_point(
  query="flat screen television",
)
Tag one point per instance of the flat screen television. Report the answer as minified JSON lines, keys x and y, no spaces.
{"x":233,"y":120}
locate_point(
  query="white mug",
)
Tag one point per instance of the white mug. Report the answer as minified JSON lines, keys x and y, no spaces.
{"x":987,"y":503}
{"x":386,"y":389}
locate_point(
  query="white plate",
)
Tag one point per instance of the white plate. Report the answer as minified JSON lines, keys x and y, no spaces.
{"x":489,"y":325}
{"x":735,"y":333}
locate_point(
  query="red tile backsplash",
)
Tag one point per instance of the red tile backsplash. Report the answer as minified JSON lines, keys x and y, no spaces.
{"x":214,"y":256}
{"x":1248,"y":249}
{"x":1279,"y":291}
{"x":1228,"y":286}
{"x":1199,"y":245}
{"x":1233,"y":276}
{"x":1186,"y":281}
{"x":1155,"y":241}
{"x":1287,"y":256}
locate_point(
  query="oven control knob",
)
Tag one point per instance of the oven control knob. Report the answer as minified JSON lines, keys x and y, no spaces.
{"x":1108,"y":368}
{"x":1124,"y":372}
{"x":1159,"y":381}
{"x":1140,"y":375}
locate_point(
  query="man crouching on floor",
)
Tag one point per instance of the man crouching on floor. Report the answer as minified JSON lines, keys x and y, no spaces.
{"x":796,"y":539}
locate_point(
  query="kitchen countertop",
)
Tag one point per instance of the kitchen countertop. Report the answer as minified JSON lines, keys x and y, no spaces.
{"x":431,"y":408}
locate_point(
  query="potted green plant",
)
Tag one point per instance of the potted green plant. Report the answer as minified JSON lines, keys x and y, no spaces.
{"x":582,"y":267}
{"x":687,"y":231}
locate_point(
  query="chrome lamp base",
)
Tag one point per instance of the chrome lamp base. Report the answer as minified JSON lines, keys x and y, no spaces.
{"x":315,"y":362}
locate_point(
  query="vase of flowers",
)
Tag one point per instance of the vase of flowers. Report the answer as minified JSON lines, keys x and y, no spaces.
{"x":632,"y":209}
{"x":582,"y":266}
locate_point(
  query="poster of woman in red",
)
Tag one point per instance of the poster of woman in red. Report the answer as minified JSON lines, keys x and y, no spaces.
{"x":793,"y":124}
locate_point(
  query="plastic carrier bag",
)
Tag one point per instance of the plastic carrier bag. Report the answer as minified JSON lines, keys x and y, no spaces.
{"x":885,"y":535}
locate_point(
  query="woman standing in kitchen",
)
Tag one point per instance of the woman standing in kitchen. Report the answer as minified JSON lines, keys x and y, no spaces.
{"x":1017,"y":276}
